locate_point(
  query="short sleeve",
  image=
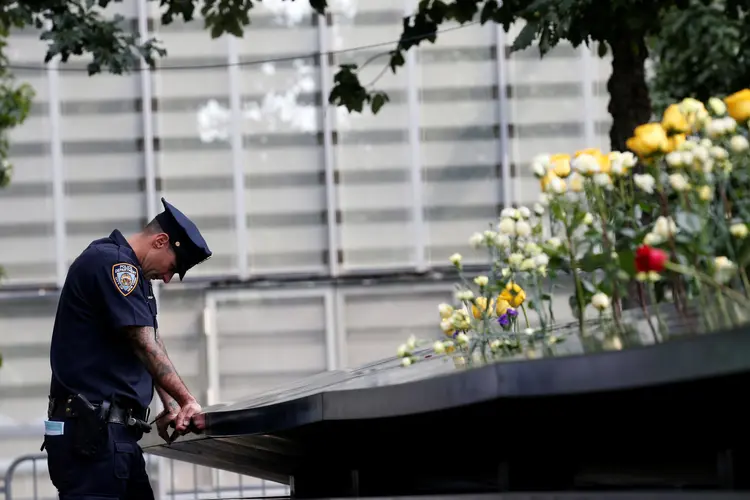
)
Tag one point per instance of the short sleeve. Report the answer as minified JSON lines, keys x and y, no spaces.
{"x":122,"y":294}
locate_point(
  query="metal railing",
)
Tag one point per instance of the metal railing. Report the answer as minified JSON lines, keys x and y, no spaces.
{"x":26,"y":478}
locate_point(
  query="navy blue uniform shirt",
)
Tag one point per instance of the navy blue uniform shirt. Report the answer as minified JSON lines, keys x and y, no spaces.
{"x":90,"y":354}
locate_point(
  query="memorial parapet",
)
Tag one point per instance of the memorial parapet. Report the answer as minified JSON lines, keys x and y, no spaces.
{"x":668,"y":416}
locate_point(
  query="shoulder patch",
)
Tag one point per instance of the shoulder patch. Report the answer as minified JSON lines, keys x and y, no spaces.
{"x":125,"y":277}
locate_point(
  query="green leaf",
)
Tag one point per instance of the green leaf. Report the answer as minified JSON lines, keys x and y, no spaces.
{"x":378,"y":101}
{"x":319,"y":6}
{"x":689,"y":222}
{"x":488,"y":11}
{"x":526,"y":37}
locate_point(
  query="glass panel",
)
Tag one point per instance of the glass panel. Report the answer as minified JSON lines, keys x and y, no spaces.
{"x":285,"y":194}
{"x":546,"y":99}
{"x":27,"y":252}
{"x":284,"y":347}
{"x":376,"y":325}
{"x":194,"y":158}
{"x":372,"y":152}
{"x":104,"y":176}
{"x":459,"y":134}
{"x":601,"y":69}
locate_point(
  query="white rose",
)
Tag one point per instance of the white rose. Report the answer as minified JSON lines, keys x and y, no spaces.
{"x":476,"y":240}
{"x":603,"y":180}
{"x":664,"y":227}
{"x":524,"y":212}
{"x":455,"y":259}
{"x":554,"y":242}
{"x":532,"y":249}
{"x":502,"y":241}
{"x":600,"y":301}
{"x":686,"y":158}
{"x":738,"y":230}
{"x":652,"y":239}
{"x":718,"y":153}
{"x":515,"y":259}
{"x":541,"y":260}
{"x":674,"y":159}
{"x":679,"y":182}
{"x":507,"y":226}
{"x":523,"y":229}
{"x":717,"y":106}
{"x":445,"y":310}
{"x":481,"y":281}
{"x":645,"y":182}
{"x":510,"y":213}
{"x":538,"y":209}
{"x":438,"y":347}
{"x":527,"y":265}
{"x":739,"y":144}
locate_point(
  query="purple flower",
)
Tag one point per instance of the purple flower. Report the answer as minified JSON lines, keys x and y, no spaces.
{"x":512,"y":312}
{"x":504,"y":319}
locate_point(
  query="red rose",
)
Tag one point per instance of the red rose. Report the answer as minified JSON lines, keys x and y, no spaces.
{"x":649,"y":259}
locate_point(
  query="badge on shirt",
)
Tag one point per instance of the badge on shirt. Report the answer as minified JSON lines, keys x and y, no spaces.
{"x":125,"y":276}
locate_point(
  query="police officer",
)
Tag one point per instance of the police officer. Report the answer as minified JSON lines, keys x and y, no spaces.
{"x":107,"y":358}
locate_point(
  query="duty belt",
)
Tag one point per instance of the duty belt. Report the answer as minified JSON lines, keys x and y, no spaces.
{"x":113,"y":413}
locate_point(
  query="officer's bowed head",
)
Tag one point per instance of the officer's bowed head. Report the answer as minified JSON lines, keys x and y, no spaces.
{"x":184,"y":238}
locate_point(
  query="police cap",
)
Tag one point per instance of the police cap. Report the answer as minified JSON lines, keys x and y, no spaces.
{"x":187,"y":242}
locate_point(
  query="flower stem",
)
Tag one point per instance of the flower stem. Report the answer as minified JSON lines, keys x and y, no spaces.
{"x":577,"y":279}
{"x":646,"y":313}
{"x":525,"y":316}
{"x":655,"y":305}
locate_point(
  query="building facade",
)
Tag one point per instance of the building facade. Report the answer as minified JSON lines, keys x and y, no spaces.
{"x":291,"y":193}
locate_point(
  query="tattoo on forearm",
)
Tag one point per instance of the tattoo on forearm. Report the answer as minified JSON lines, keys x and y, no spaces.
{"x":150,"y":350}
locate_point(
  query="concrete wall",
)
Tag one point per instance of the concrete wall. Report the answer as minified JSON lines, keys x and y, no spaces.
{"x":405,"y":188}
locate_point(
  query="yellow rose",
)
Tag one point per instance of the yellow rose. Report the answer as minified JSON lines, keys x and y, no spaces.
{"x":560,"y":165}
{"x":588,"y":151}
{"x":478,"y":309}
{"x":674,"y":121}
{"x":738,"y":105}
{"x":513,"y":294}
{"x":674,"y":142}
{"x":648,"y":139}
{"x":501,"y":307}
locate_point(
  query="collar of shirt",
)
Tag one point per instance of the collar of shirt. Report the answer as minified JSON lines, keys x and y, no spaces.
{"x":118,"y":238}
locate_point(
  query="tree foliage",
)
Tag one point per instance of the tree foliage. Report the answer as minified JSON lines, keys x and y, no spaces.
{"x":700,"y":51}
{"x":77,"y":27}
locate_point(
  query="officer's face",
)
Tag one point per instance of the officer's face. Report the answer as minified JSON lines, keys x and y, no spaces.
{"x":160,"y":263}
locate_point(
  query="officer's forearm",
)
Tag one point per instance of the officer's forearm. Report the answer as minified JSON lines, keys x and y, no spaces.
{"x":168,"y":401}
{"x":147,"y":347}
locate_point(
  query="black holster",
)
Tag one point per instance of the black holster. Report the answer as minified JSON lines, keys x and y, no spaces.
{"x":89,"y":429}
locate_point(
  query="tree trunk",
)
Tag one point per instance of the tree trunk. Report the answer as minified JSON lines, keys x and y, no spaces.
{"x":629,"y":103}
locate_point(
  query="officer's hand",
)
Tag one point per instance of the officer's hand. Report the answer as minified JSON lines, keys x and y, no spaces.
{"x":163,"y":422}
{"x":182,"y":422}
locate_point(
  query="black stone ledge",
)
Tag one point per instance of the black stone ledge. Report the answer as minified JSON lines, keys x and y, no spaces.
{"x":277,"y":434}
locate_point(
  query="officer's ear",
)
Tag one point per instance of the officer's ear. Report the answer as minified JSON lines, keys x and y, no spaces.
{"x":160,"y":241}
